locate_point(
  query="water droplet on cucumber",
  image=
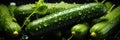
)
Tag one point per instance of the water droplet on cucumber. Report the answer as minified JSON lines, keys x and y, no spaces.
{"x":111,"y":22}
{"x":36,"y":29}
{"x":59,"y":18}
{"x":55,"y":20}
{"x":39,"y":26}
{"x":80,"y":13}
{"x":45,"y":24}
{"x":88,"y":11}
{"x":93,"y":8}
{"x":23,"y":12}
{"x":70,"y":17}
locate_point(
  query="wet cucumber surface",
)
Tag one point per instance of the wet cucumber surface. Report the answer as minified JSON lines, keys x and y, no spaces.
{"x":67,"y":17}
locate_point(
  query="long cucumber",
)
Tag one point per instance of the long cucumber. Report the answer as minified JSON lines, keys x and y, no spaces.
{"x":79,"y":31}
{"x":102,"y":29}
{"x":25,"y":10}
{"x":52,"y":8}
{"x":7,"y":23}
{"x":64,"y":18}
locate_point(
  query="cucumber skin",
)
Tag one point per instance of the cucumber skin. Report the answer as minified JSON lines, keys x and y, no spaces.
{"x":6,"y":21}
{"x":67,"y":17}
{"x":80,"y":30}
{"x":103,"y":28}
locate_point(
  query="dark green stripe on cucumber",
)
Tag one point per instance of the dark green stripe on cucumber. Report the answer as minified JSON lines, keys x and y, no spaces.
{"x":66,"y":17}
{"x":25,"y":10}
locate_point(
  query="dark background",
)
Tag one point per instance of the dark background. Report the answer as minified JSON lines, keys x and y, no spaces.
{"x":19,"y":2}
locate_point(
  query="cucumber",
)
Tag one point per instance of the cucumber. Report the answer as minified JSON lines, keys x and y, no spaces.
{"x":29,"y":8}
{"x":102,"y":29}
{"x":79,"y":31}
{"x":25,"y":10}
{"x":6,"y":22}
{"x":67,"y":17}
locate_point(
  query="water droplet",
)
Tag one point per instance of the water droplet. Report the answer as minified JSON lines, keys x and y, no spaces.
{"x":36,"y":29}
{"x":45,"y":24}
{"x":24,"y":37}
{"x":70,"y":17}
{"x":23,"y":12}
{"x":59,"y":18}
{"x":55,"y":20}
{"x":93,"y":8}
{"x":39,"y":26}
{"x":111,"y":22}
{"x":88,"y":11}
{"x":97,"y":6}
{"x":74,"y":3}
{"x":80,"y":13}
{"x":55,"y":15}
{"x":50,"y":17}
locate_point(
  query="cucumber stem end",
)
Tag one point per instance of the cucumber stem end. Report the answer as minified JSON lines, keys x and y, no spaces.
{"x":93,"y":34}
{"x":73,"y":33}
{"x":15,"y":33}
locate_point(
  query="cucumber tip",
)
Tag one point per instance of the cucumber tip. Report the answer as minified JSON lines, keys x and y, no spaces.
{"x":93,"y":34}
{"x":73,"y":33}
{"x":15,"y":33}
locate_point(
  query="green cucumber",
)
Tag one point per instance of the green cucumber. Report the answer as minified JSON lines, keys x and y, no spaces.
{"x":57,"y":7}
{"x":102,"y":29}
{"x":25,"y":10}
{"x":109,"y":7}
{"x":7,"y":23}
{"x":64,"y":18}
{"x":29,"y":8}
{"x":79,"y":31}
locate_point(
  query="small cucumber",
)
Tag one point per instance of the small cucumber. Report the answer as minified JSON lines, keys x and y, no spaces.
{"x":102,"y":29}
{"x":64,"y":18}
{"x":79,"y":31}
{"x":7,"y":23}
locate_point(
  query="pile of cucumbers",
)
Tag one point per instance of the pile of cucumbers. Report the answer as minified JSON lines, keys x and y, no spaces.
{"x":62,"y":20}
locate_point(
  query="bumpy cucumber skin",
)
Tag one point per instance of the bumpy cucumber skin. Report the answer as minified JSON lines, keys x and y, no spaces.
{"x":7,"y":23}
{"x":79,"y":30}
{"x":67,"y":17}
{"x":103,"y":28}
